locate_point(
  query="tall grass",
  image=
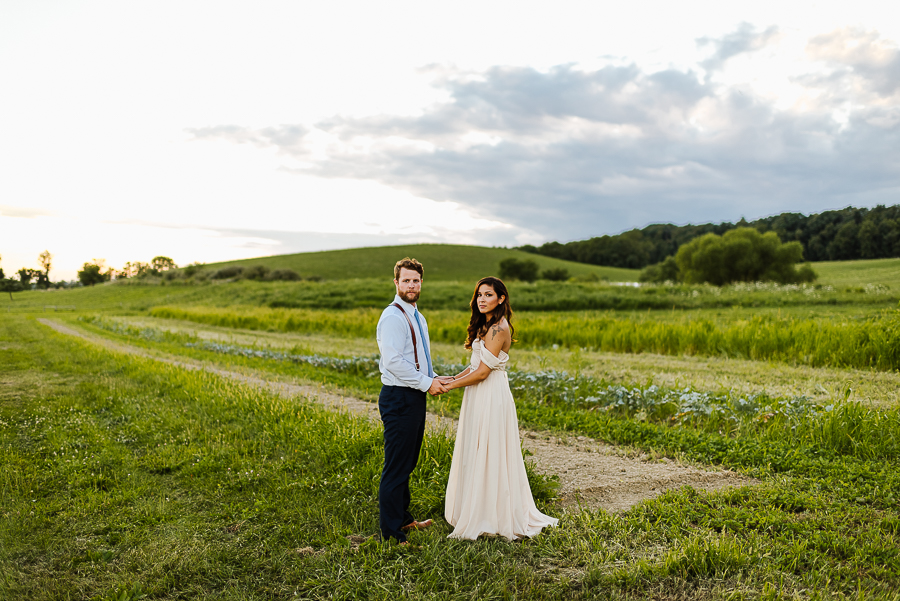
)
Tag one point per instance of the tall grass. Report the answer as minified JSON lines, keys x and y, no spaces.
{"x":873,"y":343}
{"x":867,"y":344}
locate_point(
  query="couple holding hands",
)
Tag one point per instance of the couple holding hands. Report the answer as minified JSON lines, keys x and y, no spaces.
{"x":488,"y":491}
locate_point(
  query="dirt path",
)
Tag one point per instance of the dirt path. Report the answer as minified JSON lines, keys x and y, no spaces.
{"x":591,"y":473}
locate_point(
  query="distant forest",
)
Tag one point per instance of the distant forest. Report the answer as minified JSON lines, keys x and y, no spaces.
{"x":829,"y":236}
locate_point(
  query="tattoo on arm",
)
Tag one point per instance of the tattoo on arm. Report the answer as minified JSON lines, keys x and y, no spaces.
{"x":494,"y":331}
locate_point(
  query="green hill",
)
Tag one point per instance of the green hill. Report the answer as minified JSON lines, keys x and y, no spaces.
{"x":452,"y":271}
{"x":443,"y":262}
{"x":859,"y":273}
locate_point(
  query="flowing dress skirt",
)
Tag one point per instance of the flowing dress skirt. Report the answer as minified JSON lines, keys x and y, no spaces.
{"x":488,"y":491}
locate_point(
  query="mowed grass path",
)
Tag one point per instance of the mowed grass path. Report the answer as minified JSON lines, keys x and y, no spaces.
{"x":122,"y":477}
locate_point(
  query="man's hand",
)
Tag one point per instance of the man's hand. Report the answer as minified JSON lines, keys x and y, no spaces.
{"x":437,"y":387}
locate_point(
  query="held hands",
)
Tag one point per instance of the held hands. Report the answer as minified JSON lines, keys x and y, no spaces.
{"x":437,"y":387}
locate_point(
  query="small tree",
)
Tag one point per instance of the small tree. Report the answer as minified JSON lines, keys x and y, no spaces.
{"x":92,"y":273}
{"x":10,"y":286}
{"x":160,"y":264}
{"x":26,"y":275}
{"x":137,"y":270}
{"x":514,"y":269}
{"x":44,"y":259}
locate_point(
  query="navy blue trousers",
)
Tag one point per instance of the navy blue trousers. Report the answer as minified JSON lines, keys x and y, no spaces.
{"x":403,"y":414}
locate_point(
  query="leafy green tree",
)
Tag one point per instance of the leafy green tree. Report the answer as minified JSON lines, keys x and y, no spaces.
{"x":92,"y":273}
{"x":10,"y":286}
{"x":845,"y":245}
{"x":26,"y":275}
{"x":514,"y":269}
{"x":664,"y":271}
{"x":137,"y":270}
{"x":160,"y":264}
{"x":43,"y":281}
{"x":740,"y":255}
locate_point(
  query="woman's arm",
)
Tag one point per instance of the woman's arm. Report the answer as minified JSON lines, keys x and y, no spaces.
{"x":496,"y":338}
{"x":473,"y":377}
{"x":446,"y":379}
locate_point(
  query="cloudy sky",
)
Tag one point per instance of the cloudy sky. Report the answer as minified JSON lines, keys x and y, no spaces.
{"x":208,"y":131}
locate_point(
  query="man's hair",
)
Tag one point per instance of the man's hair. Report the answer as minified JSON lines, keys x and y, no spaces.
{"x":407,"y":263}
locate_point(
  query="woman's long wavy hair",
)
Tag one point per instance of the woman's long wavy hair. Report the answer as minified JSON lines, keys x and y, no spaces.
{"x":478,"y":323}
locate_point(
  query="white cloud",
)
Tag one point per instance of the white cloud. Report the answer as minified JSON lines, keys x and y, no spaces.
{"x":580,"y":152}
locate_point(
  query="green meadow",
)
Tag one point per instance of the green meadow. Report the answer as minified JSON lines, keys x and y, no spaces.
{"x":443,"y":262}
{"x":123,"y":477}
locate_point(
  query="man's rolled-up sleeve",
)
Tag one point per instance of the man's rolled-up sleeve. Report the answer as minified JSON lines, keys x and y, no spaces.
{"x":392,"y":333}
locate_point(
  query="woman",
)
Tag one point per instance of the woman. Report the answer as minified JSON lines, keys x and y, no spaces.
{"x":488,"y":491}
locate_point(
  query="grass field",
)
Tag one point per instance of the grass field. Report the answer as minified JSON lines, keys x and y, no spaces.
{"x":443,"y":262}
{"x":124,"y":478}
{"x":859,"y":273}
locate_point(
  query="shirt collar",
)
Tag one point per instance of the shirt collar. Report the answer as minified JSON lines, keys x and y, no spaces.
{"x":407,"y":306}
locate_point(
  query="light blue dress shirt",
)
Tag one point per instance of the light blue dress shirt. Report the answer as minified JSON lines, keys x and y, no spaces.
{"x":397,"y":363}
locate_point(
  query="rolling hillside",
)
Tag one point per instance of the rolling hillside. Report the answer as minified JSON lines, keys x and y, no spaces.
{"x":443,"y":262}
{"x":452,"y":270}
{"x":859,"y":273}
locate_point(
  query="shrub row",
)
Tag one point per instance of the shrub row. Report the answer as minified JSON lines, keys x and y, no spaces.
{"x":257,"y":273}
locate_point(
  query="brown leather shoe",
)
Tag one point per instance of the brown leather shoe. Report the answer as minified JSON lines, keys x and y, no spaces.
{"x":417,"y":526}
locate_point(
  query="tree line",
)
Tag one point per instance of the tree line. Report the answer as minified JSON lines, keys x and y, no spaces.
{"x":97,"y":272}
{"x":843,"y":234}
{"x":94,"y":272}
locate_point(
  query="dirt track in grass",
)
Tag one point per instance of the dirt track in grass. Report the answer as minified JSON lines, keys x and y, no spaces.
{"x":591,"y":473}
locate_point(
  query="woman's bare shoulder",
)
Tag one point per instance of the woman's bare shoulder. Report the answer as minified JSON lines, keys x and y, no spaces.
{"x":499,"y":330}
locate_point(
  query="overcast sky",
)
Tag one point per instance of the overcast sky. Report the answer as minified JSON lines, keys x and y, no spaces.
{"x":209,"y":131}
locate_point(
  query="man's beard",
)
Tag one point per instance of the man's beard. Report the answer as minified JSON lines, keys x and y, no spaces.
{"x":409,"y":297}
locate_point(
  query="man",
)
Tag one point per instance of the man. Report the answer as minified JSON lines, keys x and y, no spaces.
{"x":406,"y":374}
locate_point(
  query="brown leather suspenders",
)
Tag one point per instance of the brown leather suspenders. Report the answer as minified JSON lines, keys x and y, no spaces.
{"x":411,"y":331}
